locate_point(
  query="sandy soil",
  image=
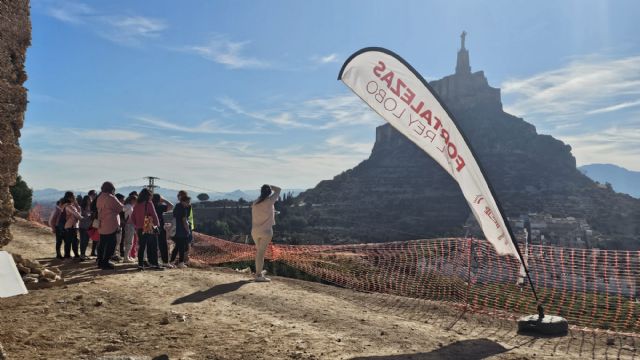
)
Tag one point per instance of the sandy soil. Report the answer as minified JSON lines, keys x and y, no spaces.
{"x":219,"y":314}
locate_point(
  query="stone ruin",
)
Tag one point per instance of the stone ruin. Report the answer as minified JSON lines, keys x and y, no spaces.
{"x":15,"y":38}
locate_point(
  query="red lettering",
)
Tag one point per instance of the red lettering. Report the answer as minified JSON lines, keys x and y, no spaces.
{"x":445,"y":135}
{"x":408,"y":96}
{"x":438,"y":123}
{"x":399,"y":86}
{"x":388,"y":78}
{"x":417,"y":110}
{"x":451,"y":149}
{"x":427,"y":116}
{"x":460,"y":162}
{"x":379,"y":68}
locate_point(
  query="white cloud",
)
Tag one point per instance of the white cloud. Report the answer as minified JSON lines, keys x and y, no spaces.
{"x":205,"y":127}
{"x":226,"y":52}
{"x":218,"y":165}
{"x":325,"y":113}
{"x":614,"y":145}
{"x":341,"y":142}
{"x":122,"y":29}
{"x":70,"y":12}
{"x":587,"y":104}
{"x":615,"y":107}
{"x":331,"y":58}
{"x":108,"y":135}
{"x":310,"y":140}
{"x":587,"y":86}
{"x":131,"y":30}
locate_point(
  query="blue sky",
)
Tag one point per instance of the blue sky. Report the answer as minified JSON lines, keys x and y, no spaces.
{"x":233,"y":94}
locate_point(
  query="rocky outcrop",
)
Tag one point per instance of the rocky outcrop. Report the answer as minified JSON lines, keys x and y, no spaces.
{"x":15,"y":37}
{"x":400,"y":193}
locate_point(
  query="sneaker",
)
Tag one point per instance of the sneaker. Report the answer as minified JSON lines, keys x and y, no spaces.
{"x":262,"y":279}
{"x":115,"y":258}
{"x":59,"y":257}
{"x":169,"y":266}
{"x":157,"y":268}
{"x":182,"y":265}
{"x":140,"y":267}
{"x":127,"y":260}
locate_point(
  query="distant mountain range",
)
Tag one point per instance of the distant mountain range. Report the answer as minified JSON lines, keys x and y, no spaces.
{"x":621,"y":179}
{"x":52,"y":195}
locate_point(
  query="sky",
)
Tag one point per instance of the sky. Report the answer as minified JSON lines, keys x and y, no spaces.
{"x":225,"y":95}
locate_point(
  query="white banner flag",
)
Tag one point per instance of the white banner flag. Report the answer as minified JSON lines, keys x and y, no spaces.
{"x":401,"y":96}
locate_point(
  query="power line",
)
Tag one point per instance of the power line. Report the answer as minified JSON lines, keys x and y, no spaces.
{"x":187,"y":185}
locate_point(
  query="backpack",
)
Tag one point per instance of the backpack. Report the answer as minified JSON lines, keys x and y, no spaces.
{"x":170,"y":221}
{"x":62,"y":218}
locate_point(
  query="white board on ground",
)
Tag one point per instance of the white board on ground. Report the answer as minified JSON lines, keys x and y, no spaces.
{"x":11,"y":283}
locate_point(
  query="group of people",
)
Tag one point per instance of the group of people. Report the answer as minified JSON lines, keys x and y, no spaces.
{"x":123,"y":229}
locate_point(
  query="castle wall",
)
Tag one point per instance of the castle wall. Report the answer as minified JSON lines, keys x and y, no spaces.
{"x":15,"y":37}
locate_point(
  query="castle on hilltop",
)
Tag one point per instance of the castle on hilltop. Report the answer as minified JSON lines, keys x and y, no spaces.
{"x":531,"y":173}
{"x":468,"y":90}
{"x":465,"y":85}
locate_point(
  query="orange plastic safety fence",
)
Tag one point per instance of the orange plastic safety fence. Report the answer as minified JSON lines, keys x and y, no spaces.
{"x":591,"y":288}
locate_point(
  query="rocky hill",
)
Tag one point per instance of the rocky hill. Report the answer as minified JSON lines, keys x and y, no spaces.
{"x":400,"y":193}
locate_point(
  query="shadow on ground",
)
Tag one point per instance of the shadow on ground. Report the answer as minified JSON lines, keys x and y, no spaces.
{"x":75,"y":272}
{"x":200,"y":296}
{"x":475,"y":349}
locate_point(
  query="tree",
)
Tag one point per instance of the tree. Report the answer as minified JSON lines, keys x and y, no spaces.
{"x":221,"y":228}
{"x":22,"y":195}
{"x":203,"y":197}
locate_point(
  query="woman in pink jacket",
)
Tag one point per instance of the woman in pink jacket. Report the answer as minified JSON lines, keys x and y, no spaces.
{"x":71,"y":211}
{"x":109,"y":209}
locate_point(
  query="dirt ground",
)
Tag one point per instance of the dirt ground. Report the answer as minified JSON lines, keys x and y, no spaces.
{"x":220,"y":314}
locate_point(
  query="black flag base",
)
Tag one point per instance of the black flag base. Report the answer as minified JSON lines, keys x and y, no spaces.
{"x":543,"y":324}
